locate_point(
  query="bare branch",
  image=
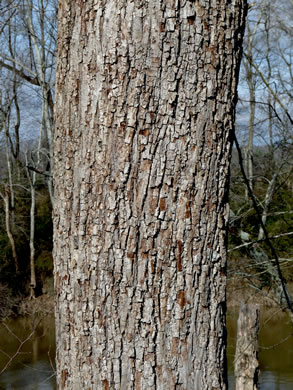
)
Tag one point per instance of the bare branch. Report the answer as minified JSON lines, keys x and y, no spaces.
{"x":267,"y":238}
{"x":258,"y":241}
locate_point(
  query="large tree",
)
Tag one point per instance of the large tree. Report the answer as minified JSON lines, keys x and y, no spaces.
{"x":145,"y":103}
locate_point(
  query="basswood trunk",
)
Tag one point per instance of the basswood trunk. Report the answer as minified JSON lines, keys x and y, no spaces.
{"x":145,"y":102}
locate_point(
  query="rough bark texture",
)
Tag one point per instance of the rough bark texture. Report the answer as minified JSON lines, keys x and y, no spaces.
{"x":145,"y":100}
{"x":246,"y":356}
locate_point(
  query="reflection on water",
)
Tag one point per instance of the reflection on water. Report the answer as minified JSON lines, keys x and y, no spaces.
{"x":275,"y":350}
{"x":271,"y":381}
{"x":33,"y":368}
{"x":29,"y":377}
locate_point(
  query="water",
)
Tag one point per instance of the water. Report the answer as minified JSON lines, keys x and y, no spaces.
{"x":33,"y":368}
{"x":275,"y":350}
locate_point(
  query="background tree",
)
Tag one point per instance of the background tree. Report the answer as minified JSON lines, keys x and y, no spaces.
{"x":27,"y":60}
{"x":145,"y":101}
{"x":268,"y":105}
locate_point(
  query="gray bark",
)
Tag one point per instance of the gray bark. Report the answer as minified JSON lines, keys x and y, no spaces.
{"x":251,"y":81}
{"x":8,"y":194}
{"x":6,"y":198}
{"x":246,"y":357}
{"x":145,"y":102}
{"x":32,"y":182}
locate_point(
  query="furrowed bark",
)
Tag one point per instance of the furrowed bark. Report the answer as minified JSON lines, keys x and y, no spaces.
{"x":145,"y":101}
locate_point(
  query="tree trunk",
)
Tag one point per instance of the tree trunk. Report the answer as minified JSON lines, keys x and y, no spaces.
{"x":251,"y":81}
{"x":39,"y":45}
{"x":32,"y":183}
{"x":8,"y":195}
{"x":33,"y":282}
{"x":145,"y":104}
{"x":6,"y":199}
{"x":246,"y":356}
{"x":266,"y":204}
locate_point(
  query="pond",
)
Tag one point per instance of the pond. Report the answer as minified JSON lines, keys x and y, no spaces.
{"x":275,"y":349}
{"x":33,"y":368}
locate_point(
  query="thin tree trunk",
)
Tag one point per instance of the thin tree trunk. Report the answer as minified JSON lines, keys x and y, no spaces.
{"x":32,"y":177}
{"x":251,"y":85}
{"x":6,"y":199}
{"x":10,"y":180}
{"x":246,"y":364}
{"x":32,"y":243}
{"x":32,"y":182}
{"x":250,"y":134}
{"x":144,"y":111}
{"x":251,"y":81}
{"x":267,"y":202}
{"x":39,"y":48}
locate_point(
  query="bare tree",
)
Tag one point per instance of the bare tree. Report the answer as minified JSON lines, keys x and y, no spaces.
{"x":33,"y":59}
{"x":27,"y":60}
{"x":268,"y":77}
{"x":7,"y":193}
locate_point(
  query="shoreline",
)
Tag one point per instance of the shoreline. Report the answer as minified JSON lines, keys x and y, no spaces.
{"x":236,"y":293}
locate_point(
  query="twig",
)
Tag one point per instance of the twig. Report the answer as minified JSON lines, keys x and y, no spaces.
{"x":267,"y":238}
{"x":21,"y":344}
{"x":41,"y":172}
{"x":276,"y":345}
{"x":261,"y":240}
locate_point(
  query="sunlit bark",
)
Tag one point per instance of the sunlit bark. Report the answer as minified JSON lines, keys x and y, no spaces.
{"x":145,"y":102}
